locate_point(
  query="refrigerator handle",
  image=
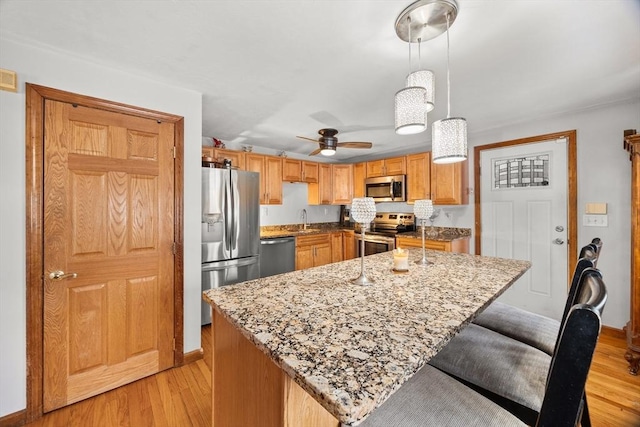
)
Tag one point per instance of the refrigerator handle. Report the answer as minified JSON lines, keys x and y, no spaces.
{"x":235,"y":198}
{"x":228,"y":224}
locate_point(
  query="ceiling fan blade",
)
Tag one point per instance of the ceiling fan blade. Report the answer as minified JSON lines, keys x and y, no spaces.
{"x":355,"y":144}
{"x":313,"y":153}
{"x":308,"y":139}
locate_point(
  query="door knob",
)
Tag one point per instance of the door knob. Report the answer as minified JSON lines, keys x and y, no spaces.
{"x":59,"y":275}
{"x":558,"y":241}
{"x":559,"y":228}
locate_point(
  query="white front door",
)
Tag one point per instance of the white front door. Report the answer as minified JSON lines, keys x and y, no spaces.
{"x":524,"y":216}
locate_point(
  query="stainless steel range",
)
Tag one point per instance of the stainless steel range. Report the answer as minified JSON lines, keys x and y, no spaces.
{"x":384,"y":228}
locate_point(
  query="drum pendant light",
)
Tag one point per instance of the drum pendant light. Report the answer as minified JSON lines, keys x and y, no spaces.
{"x":449,"y":136}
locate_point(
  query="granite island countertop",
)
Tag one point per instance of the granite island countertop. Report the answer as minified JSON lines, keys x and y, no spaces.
{"x":350,"y":347}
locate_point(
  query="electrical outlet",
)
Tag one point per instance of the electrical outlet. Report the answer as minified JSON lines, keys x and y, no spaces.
{"x":265,"y":211}
{"x":326,"y":211}
{"x":595,"y":220}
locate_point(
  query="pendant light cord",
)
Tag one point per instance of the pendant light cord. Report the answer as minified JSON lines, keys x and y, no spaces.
{"x":409,"y":22}
{"x":448,"y":77}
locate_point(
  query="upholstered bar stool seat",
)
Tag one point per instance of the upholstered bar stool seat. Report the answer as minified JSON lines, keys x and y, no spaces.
{"x":432,"y":398}
{"x":530,"y":328}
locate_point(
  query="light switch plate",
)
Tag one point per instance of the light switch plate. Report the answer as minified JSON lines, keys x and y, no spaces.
{"x":595,"y":220}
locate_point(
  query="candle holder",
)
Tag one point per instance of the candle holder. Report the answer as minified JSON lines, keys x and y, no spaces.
{"x":423,"y":209}
{"x":363,"y":211}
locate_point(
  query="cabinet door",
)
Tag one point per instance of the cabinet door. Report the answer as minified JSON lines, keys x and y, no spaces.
{"x":322,"y":254}
{"x":348,"y":242}
{"x":324,"y":184}
{"x":407,"y":242}
{"x":304,"y":257}
{"x":291,"y":170}
{"x":237,"y":157}
{"x":359,"y":175}
{"x":449,"y":183}
{"x":310,"y":172}
{"x":418,"y":177}
{"x":395,"y":166}
{"x":336,"y":247}
{"x":342,"y":184}
{"x":273,"y":167}
{"x":375,"y":168}
{"x":207,"y":151}
{"x":256,"y":163}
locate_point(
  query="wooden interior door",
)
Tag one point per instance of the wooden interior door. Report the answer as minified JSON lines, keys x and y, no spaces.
{"x":108,"y":233}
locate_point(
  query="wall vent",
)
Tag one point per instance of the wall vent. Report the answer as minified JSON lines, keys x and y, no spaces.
{"x":8,"y":80}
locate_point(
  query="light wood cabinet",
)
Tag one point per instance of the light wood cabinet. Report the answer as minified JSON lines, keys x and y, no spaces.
{"x":386,"y":167}
{"x":320,"y":193}
{"x":418,"y":176}
{"x":336,"y":247}
{"x":220,"y":154}
{"x":237,"y":158}
{"x":359,"y":175}
{"x":348,"y":244}
{"x":632,"y":328}
{"x":450,"y":183}
{"x":313,"y":250}
{"x":342,"y":180}
{"x":270,"y":169}
{"x":310,"y":172}
{"x":291,"y":170}
{"x":458,"y":245}
{"x":299,"y":171}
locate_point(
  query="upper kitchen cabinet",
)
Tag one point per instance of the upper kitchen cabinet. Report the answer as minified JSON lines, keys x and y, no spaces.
{"x":320,"y":193}
{"x":386,"y":167}
{"x":220,"y":154}
{"x":450,"y":183}
{"x":342,"y":179}
{"x":299,"y":171}
{"x":237,"y":158}
{"x":418,"y":176}
{"x":359,"y":175}
{"x":270,"y":169}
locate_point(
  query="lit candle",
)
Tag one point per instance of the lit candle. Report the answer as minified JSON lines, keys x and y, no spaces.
{"x":400,"y":259}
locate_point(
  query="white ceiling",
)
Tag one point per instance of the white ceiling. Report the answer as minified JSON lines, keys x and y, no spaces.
{"x":272,"y":69}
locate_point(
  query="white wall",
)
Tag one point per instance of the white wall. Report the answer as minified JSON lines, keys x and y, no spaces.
{"x":290,"y":211}
{"x":58,"y":70}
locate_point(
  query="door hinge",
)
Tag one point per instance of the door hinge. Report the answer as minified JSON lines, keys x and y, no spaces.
{"x":174,"y":344}
{"x":174,"y":151}
{"x":173,"y":247}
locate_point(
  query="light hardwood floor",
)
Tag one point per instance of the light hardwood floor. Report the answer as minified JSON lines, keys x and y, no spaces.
{"x":182,"y":396}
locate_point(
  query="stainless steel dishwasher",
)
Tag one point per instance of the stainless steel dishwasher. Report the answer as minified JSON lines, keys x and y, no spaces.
{"x":277,"y":256}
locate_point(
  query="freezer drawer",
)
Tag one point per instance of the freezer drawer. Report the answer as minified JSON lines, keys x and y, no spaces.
{"x":224,"y":273}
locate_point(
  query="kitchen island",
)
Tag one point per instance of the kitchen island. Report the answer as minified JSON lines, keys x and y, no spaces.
{"x":311,"y":348}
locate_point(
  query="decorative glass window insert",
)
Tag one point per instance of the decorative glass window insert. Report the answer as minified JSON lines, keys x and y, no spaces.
{"x":530,"y":171}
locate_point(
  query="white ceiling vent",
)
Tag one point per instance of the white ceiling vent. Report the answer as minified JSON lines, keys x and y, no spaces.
{"x":8,"y":80}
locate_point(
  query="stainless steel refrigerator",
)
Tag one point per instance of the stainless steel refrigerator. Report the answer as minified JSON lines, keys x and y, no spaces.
{"x":230,"y":229}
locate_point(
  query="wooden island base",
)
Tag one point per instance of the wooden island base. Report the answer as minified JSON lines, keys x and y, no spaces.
{"x":251,"y":390}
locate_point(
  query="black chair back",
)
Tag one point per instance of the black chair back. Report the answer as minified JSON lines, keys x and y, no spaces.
{"x":563,"y":401}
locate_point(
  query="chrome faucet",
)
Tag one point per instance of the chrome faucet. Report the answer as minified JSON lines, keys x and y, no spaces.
{"x":304,"y":219}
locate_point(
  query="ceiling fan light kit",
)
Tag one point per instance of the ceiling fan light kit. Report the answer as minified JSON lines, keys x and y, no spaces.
{"x":328,"y":143}
{"x":421,"y":21}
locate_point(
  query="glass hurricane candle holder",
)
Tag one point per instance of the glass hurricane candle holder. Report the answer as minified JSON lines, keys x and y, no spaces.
{"x":363,"y":211}
{"x":423,"y":209}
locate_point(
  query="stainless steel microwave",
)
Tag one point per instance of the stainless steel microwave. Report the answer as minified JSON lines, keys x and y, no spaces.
{"x":386,"y":188}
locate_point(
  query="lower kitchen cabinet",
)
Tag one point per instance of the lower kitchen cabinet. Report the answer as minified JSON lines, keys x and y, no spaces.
{"x":348,"y":245}
{"x":457,"y":245}
{"x":336,"y":247}
{"x":313,"y":250}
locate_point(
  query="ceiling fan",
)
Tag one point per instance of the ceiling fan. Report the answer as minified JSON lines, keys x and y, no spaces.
{"x":328,"y":143}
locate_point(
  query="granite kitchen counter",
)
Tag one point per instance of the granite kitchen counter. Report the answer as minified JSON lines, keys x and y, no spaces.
{"x":440,"y":234}
{"x":294,"y":230}
{"x":350,"y":347}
